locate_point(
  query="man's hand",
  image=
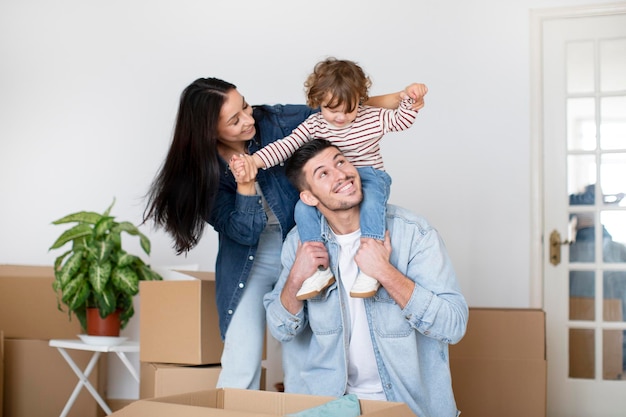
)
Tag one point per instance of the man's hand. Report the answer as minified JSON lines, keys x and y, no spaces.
{"x":373,"y":255}
{"x":309,"y":256}
{"x":373,"y":259}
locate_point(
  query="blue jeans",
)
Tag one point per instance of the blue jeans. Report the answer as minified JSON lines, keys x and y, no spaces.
{"x":243,"y":342}
{"x":376,"y":185}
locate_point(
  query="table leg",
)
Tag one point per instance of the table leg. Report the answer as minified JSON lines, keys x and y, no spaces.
{"x":128,"y":365}
{"x":83,"y":380}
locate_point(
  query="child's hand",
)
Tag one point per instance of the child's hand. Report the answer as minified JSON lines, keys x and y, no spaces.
{"x":243,"y":168}
{"x":417,"y":92}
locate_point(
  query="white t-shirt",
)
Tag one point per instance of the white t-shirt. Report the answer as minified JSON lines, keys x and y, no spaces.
{"x":363,"y":377}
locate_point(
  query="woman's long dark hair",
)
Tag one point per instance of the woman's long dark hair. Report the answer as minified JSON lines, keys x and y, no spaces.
{"x":183,"y":191}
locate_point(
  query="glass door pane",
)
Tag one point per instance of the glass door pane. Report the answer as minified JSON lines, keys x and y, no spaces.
{"x":596,"y":138}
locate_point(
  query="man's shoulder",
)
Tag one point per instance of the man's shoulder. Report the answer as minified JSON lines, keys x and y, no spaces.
{"x":398,"y":214}
{"x":402,"y":212}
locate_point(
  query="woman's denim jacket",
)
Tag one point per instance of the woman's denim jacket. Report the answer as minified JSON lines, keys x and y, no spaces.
{"x":239,"y":219}
{"x":410,"y":344}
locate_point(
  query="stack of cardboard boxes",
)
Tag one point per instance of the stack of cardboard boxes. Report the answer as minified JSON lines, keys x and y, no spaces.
{"x":37,"y":381}
{"x":180,"y":341}
{"x":498,"y":368}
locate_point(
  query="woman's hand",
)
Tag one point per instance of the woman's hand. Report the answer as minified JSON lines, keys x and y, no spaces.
{"x":244,"y":170}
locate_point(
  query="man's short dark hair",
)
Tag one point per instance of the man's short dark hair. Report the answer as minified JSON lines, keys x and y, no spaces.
{"x":300,"y":157}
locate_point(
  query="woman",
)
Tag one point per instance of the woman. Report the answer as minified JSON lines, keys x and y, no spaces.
{"x":251,"y":215}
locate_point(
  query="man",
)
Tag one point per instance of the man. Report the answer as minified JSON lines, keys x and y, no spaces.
{"x":393,"y":346}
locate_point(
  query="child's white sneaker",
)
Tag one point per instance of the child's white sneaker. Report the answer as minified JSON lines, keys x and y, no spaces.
{"x":314,"y":284}
{"x":364,"y":286}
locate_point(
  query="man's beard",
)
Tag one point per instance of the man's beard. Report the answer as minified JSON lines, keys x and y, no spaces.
{"x":338,"y":206}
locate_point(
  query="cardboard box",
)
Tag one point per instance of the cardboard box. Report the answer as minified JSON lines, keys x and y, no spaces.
{"x":116,"y":404}
{"x":582,"y":341}
{"x":1,"y":370}
{"x":499,"y":367}
{"x":28,"y":305}
{"x":162,"y":380}
{"x":230,"y":402}
{"x":178,"y":319}
{"x":38,"y":381}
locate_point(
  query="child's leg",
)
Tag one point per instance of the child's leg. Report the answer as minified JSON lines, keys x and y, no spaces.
{"x":309,"y":228}
{"x":309,"y":224}
{"x":376,"y":185}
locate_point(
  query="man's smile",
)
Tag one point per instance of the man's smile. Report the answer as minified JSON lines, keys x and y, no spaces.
{"x":344,"y":187}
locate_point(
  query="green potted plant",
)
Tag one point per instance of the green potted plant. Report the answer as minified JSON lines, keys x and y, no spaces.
{"x":96,"y":275}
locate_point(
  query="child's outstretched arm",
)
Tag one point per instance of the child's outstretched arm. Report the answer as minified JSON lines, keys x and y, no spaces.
{"x":258,"y":162}
{"x":280,"y":150}
{"x":241,"y":161}
{"x":415,"y":91}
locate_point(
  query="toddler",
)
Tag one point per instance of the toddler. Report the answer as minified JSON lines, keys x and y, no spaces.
{"x":338,"y":87}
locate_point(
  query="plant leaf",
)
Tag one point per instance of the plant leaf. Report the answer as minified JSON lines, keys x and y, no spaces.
{"x":81,"y":313}
{"x":125,"y":303}
{"x":75,"y":294}
{"x":127,"y":227}
{"x":106,"y":301}
{"x":59,"y":261}
{"x":103,"y":249}
{"x":125,"y":259}
{"x":99,"y":274}
{"x":131,"y":229}
{"x":145,"y":243}
{"x":104,"y":225}
{"x":108,"y":210}
{"x":76,"y":232}
{"x":126,"y":280}
{"x":80,"y":217}
{"x":147,"y":274}
{"x":69,"y":269}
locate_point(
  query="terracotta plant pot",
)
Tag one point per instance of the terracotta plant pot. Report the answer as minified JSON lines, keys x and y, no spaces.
{"x":98,"y":326}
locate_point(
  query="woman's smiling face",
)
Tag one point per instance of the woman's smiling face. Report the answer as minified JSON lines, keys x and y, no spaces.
{"x":236,"y":123}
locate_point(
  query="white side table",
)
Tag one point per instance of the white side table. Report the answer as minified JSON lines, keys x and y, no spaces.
{"x":83,"y":376}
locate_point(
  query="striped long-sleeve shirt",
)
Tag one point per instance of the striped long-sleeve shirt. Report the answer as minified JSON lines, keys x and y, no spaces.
{"x":359,"y":142}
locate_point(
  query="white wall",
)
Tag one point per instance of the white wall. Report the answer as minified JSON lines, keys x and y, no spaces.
{"x":89,"y":91}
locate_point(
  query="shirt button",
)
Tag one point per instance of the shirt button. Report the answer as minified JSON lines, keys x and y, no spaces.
{"x":230,"y":311}
{"x":251,"y":258}
{"x":426,"y":333}
{"x":241,"y":285}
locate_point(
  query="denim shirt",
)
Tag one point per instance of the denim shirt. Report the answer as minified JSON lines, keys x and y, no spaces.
{"x":410,"y":344}
{"x":240,"y":219}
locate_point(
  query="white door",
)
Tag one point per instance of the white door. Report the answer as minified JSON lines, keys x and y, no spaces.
{"x":584,"y":174}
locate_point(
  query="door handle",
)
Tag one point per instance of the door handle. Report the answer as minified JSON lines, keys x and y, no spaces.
{"x":555,"y":247}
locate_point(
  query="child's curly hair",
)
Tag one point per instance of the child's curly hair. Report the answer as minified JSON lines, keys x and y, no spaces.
{"x":344,"y":80}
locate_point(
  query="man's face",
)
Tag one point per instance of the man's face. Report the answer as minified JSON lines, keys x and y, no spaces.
{"x":333,"y":182}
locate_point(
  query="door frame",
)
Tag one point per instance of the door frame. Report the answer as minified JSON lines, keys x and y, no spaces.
{"x":539,"y":247}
